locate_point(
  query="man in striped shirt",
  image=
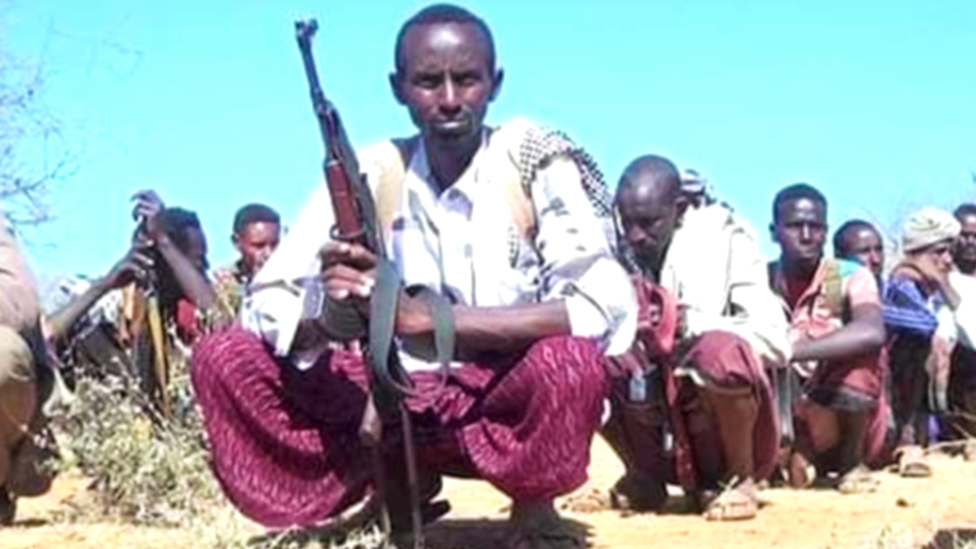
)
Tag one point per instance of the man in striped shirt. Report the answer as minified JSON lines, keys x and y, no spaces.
{"x":910,"y":326}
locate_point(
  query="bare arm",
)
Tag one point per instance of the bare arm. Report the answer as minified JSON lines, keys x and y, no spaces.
{"x":480,"y":330}
{"x":132,"y":266}
{"x":862,"y":335}
{"x":193,"y":282}
{"x":61,"y":321}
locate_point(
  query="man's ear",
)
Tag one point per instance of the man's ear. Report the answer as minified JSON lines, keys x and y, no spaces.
{"x":682,"y":203}
{"x":395,"y":81}
{"x":235,"y":241}
{"x":772,"y":233}
{"x":496,"y":84}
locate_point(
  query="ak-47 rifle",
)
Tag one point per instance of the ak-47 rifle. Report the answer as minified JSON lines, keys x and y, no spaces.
{"x":154,"y":318}
{"x":154,"y":376}
{"x":354,"y":210}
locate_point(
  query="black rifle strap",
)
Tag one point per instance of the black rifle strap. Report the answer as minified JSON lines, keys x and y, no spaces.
{"x":383,"y":362}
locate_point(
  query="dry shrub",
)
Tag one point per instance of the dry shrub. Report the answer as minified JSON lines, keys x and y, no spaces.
{"x":153,"y":471}
{"x":145,"y":468}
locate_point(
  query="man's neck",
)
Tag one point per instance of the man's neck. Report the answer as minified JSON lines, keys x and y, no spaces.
{"x":651,"y":267}
{"x":651,"y":272}
{"x":243,"y":273}
{"x":801,"y":271}
{"x":448,"y":162}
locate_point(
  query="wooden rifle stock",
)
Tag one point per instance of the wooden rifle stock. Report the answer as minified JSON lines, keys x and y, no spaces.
{"x":355,"y":218}
{"x":353,"y":221}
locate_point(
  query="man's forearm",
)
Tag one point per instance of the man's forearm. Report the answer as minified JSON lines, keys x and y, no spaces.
{"x":64,"y":318}
{"x":853,"y":340}
{"x":499,"y":330}
{"x":194,"y":284}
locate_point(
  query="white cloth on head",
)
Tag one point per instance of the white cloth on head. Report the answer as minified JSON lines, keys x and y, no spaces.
{"x":928,"y":226}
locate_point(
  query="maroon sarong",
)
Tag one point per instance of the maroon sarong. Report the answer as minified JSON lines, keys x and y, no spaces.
{"x":726,"y":360}
{"x":852,"y":386}
{"x":284,"y":442}
{"x":720,"y":357}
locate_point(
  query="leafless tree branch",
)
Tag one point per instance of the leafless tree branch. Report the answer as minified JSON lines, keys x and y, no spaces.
{"x":34,"y":158}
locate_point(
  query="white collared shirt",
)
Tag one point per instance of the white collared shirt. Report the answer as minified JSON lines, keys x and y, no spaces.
{"x":715,"y":269}
{"x":460,"y":243}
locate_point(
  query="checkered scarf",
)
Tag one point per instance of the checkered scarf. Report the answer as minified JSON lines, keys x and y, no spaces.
{"x":538,"y":148}
{"x":542,"y":144}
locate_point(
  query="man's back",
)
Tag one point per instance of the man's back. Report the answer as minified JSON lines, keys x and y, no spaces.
{"x":18,"y":292}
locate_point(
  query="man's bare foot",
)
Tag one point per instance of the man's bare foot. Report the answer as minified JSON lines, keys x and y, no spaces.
{"x":801,"y":473}
{"x":969,"y":450}
{"x":538,"y":526}
{"x":739,"y":502}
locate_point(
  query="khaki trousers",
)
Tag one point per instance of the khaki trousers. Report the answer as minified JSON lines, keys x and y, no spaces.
{"x":18,"y":395}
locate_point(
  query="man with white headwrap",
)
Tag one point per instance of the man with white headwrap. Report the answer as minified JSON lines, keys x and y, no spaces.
{"x":695,"y":188}
{"x":920,"y":355}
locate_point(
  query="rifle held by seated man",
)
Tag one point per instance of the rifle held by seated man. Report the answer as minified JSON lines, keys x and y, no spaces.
{"x":355,"y":216}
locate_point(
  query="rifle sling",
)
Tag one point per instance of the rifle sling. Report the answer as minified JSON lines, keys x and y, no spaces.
{"x":393,"y":380}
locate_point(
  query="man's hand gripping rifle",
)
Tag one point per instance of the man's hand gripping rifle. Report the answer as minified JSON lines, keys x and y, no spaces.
{"x":352,"y":203}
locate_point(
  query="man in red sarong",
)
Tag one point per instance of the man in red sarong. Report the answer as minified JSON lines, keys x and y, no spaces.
{"x":837,"y":332}
{"x":713,"y":389}
{"x":537,"y":300}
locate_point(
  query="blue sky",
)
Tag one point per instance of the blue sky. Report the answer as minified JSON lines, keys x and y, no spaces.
{"x":206,"y":101}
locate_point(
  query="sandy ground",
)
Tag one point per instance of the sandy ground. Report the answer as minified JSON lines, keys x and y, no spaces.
{"x":899,"y":509}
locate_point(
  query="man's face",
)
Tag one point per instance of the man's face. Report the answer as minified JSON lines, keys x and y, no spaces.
{"x":864,"y":246}
{"x":938,"y":256}
{"x":648,"y":222}
{"x":256,"y":242}
{"x":800,"y":231}
{"x":446,"y":81}
{"x":965,"y":248}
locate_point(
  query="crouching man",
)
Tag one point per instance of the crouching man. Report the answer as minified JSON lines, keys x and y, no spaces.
{"x":713,"y":389}
{"x":24,"y":382}
{"x":537,"y":298}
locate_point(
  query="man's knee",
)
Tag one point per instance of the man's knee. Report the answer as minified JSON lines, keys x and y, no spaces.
{"x":217,"y":355}
{"x":16,"y":359}
{"x":565,"y":359}
{"x":722,"y":361}
{"x":17,"y":386}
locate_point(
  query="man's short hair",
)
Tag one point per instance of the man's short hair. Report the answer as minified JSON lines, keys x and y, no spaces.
{"x":848,"y":227}
{"x":176,"y":223}
{"x":651,"y":167}
{"x":254,"y":213}
{"x":443,"y":13}
{"x":797,"y":191}
{"x":964,"y":210}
